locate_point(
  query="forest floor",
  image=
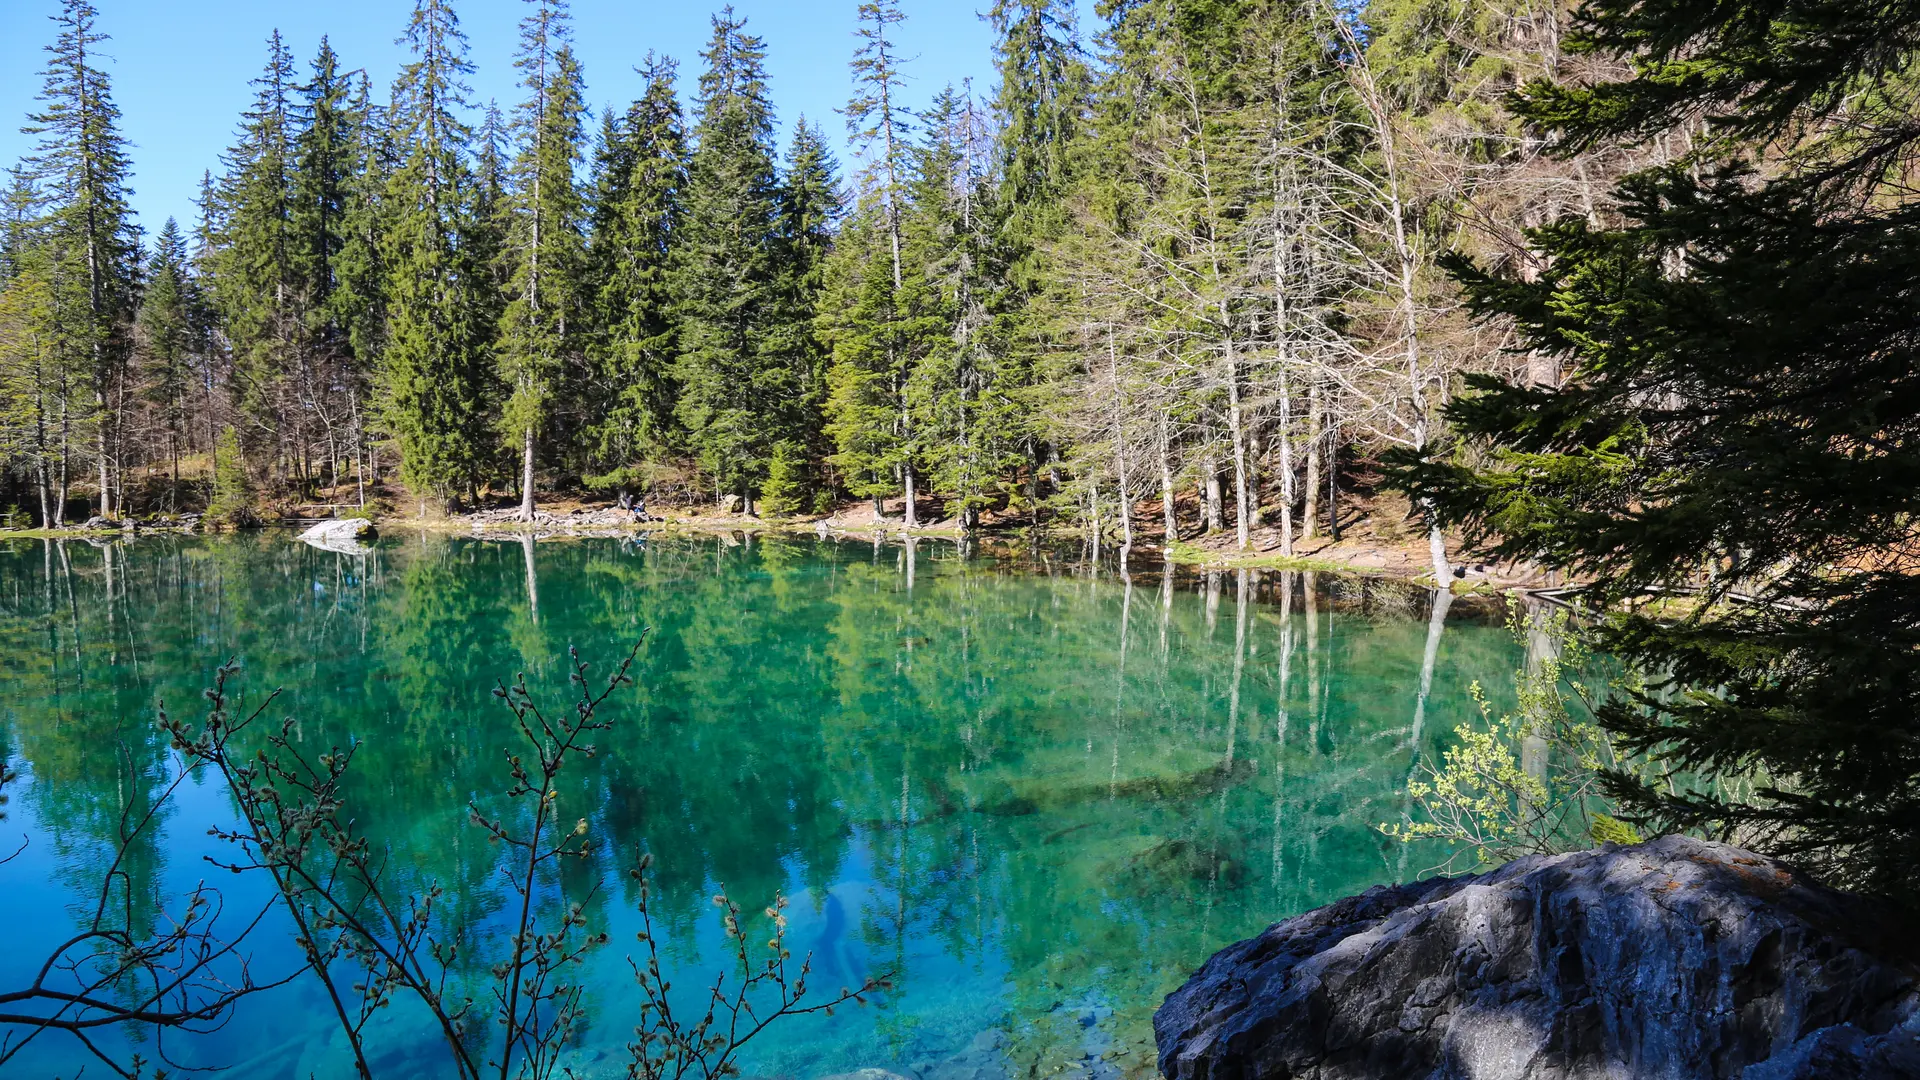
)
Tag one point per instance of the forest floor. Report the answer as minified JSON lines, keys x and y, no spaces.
{"x":1376,"y":535}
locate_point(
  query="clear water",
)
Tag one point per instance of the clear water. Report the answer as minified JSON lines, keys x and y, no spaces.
{"x":1039,"y":795}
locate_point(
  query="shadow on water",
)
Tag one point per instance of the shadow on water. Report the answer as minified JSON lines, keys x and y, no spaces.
{"x":1039,"y":790}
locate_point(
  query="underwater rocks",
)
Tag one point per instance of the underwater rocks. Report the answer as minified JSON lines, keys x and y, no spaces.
{"x":1673,"y":958}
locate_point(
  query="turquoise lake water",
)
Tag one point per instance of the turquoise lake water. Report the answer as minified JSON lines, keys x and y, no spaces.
{"x":1036,"y":793}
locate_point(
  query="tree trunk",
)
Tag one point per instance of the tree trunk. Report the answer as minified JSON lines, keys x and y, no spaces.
{"x":1286,"y":466}
{"x":1236,"y":430}
{"x":1333,"y":484}
{"x":1316,"y":453}
{"x":526,"y":475}
{"x":1125,"y":498}
{"x":46,"y":509}
{"x":1210,"y":492}
{"x":1256,"y":453}
{"x":106,"y":469}
{"x":912,"y":517}
{"x":1170,"y":521}
{"x":1437,"y":548}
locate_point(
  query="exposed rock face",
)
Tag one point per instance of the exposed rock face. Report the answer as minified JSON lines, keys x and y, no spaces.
{"x":1674,"y":958}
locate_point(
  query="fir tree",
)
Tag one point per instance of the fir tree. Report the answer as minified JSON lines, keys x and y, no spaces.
{"x":736,"y":390}
{"x":1740,"y":416}
{"x":640,"y":180}
{"x":540,"y":328}
{"x":435,"y":374}
{"x":82,"y":167}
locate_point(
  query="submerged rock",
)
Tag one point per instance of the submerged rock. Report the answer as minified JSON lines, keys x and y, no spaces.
{"x":1674,"y":958}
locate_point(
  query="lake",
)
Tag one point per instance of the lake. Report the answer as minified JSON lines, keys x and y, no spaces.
{"x":1040,"y":794}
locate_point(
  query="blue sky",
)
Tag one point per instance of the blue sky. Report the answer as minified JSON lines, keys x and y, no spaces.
{"x":180,"y":68}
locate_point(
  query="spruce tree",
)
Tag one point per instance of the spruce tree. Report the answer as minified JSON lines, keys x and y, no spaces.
{"x":736,"y":390}
{"x":435,"y":379}
{"x":255,"y":279}
{"x":20,"y":223}
{"x":864,"y":382}
{"x":82,"y":168}
{"x":164,"y":342}
{"x":640,"y":179}
{"x":325,"y":152}
{"x":1739,"y":421}
{"x":1040,"y":104}
{"x":810,"y":210}
{"x":355,"y":309}
{"x":540,"y":329}
{"x":877,"y":127}
{"x":42,"y":380}
{"x":958,"y":420}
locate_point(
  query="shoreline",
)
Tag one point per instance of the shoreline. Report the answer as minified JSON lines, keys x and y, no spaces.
{"x":1324,"y":556}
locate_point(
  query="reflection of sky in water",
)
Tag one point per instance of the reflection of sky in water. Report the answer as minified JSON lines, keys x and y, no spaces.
{"x":1039,"y":799}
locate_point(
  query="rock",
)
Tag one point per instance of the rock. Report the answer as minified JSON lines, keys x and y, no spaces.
{"x":1674,"y":958}
{"x":98,"y":522}
{"x":341,"y":529}
{"x":730,"y":504}
{"x":866,"y":1074}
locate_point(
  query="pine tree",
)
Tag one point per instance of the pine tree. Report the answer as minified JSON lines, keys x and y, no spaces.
{"x":435,"y":376}
{"x":82,"y":166}
{"x":640,"y":180}
{"x":736,"y":391}
{"x":540,"y":328}
{"x":1739,"y":417}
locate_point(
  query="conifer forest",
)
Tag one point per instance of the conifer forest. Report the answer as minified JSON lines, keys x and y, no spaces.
{"x":1621,"y":290}
{"x":1185,"y":262}
{"x":1608,"y":306}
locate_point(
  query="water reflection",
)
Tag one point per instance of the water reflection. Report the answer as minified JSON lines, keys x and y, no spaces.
{"x":1040,"y":796}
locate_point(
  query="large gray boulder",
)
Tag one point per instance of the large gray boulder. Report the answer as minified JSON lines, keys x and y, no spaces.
{"x":342,"y":535}
{"x":1675,"y":958}
{"x":339,"y":529}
